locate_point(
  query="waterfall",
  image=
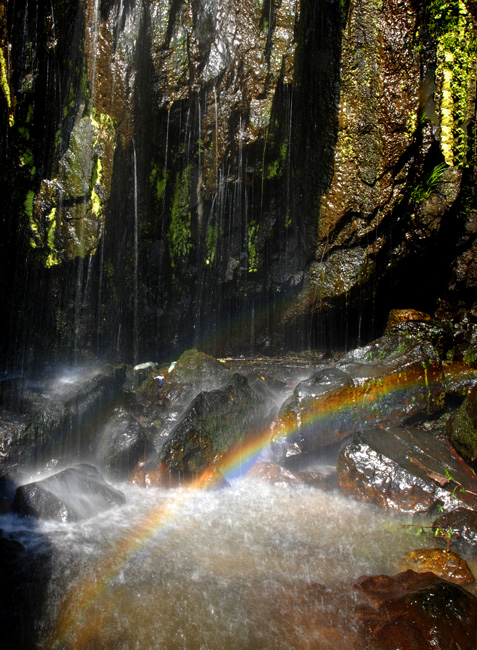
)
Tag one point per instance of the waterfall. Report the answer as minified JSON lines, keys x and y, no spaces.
{"x":136,"y":262}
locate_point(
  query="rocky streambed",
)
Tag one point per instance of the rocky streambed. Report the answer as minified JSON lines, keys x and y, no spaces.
{"x":313,"y":501}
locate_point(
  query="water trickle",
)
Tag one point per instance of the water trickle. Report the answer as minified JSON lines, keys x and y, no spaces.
{"x":136,"y":262}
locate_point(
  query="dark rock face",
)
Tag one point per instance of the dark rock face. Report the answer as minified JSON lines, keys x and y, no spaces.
{"x":70,"y":495}
{"x":462,"y":427}
{"x":248,"y":177}
{"x":406,"y":470}
{"x":387,"y":382}
{"x":23,"y":583}
{"x":463,"y":524}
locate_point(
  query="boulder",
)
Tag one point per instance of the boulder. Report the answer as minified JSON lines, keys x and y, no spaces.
{"x":72,"y":494}
{"x":462,"y":426}
{"x":463,"y":524}
{"x":385,"y":383}
{"x":214,"y":422}
{"x":193,"y":372}
{"x":444,"y":564}
{"x":65,"y":420}
{"x":410,"y":610}
{"x":415,"y":610}
{"x":405,"y":469}
{"x":123,"y":442}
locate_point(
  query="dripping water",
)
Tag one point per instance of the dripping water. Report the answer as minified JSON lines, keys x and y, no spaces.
{"x":136,"y":262}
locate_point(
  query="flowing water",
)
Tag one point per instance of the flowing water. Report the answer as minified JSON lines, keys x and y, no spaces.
{"x":200,"y":569}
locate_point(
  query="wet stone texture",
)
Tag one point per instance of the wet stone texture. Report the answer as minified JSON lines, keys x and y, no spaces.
{"x":445,"y":564}
{"x":462,"y":426}
{"x":406,"y":470}
{"x":462,"y":526}
{"x":388,"y":382}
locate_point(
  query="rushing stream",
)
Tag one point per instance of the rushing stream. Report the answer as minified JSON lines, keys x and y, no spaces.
{"x":193,"y":569}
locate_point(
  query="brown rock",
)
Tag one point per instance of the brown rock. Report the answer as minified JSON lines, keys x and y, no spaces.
{"x":444,"y":564}
{"x":404,"y":316}
{"x":417,"y":611}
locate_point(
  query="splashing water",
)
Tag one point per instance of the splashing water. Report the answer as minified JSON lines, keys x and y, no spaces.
{"x":189,"y":568}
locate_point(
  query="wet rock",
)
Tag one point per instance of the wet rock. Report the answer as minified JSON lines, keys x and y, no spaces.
{"x":387,"y":382}
{"x":462,"y":525}
{"x":69,"y":413}
{"x":459,"y":379}
{"x":444,"y":564}
{"x":405,"y":316}
{"x":214,"y":422}
{"x":123,"y":442}
{"x":462,"y":426}
{"x":73,"y":494}
{"x":194,"y":372}
{"x":413,"y":610}
{"x":274,"y":474}
{"x":408,"y":610}
{"x":405,"y":469}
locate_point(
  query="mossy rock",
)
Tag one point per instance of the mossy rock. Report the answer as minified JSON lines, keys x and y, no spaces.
{"x":462,"y":427}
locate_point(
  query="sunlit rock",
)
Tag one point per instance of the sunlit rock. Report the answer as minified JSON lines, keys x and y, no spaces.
{"x":73,"y":494}
{"x":387,"y":382}
{"x":406,"y":470}
{"x":274,"y":474}
{"x":445,"y":564}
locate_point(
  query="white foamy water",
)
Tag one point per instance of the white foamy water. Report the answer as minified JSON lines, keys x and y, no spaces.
{"x":214,"y":573}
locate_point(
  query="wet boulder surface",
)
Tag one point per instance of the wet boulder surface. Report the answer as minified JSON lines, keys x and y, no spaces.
{"x":408,"y":610}
{"x":461,"y":525}
{"x":72,"y":494}
{"x":62,"y":420}
{"x":445,"y":564}
{"x":214,"y":422}
{"x":124,"y":441}
{"x":405,"y":469}
{"x":462,"y":427}
{"x":388,"y":382}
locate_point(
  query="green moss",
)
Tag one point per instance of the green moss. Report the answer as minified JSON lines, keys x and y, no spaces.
{"x":252,"y":247}
{"x":6,"y":87}
{"x":52,"y":258}
{"x":158,"y":180}
{"x":179,"y":235}
{"x":211,"y":243}
{"x":451,"y":26}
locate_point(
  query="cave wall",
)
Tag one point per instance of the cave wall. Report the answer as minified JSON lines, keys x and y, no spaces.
{"x":243,"y":176}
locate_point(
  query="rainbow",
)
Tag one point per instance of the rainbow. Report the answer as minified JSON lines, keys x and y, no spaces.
{"x":84,"y":608}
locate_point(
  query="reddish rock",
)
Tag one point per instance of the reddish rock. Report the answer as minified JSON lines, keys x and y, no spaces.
{"x":445,"y":564}
{"x":404,"y":469}
{"x":417,"y":611}
{"x":383,"y":384}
